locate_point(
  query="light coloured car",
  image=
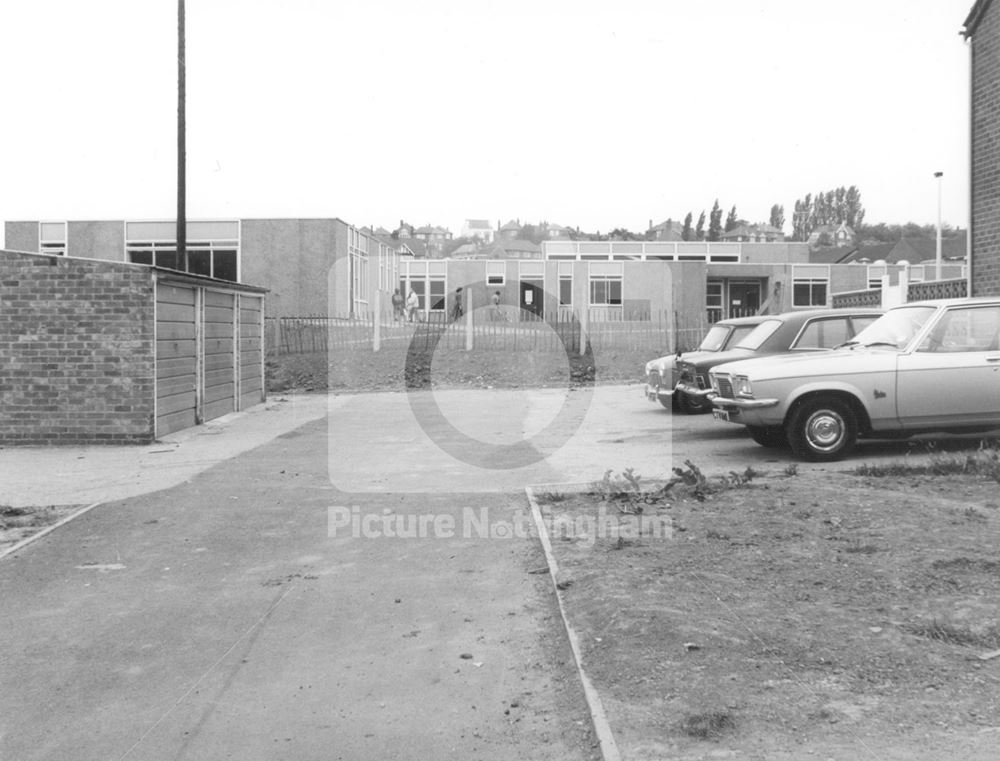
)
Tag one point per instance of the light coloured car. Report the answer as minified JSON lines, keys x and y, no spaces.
{"x":922,"y":367}
{"x":662,"y":375}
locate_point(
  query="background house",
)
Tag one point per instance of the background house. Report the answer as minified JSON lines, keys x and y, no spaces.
{"x":479,"y":229}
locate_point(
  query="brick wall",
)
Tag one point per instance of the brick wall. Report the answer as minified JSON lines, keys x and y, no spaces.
{"x":76,"y":351}
{"x":986,"y":154}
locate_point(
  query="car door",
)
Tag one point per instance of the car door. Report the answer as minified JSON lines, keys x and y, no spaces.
{"x":953,"y":375}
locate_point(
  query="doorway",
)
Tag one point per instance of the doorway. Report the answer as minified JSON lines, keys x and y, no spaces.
{"x":532,"y":299}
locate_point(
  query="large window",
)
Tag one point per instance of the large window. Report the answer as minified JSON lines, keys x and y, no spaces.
{"x":427,"y":279}
{"x":605,"y":284}
{"x":810,"y":285}
{"x":212,"y":247}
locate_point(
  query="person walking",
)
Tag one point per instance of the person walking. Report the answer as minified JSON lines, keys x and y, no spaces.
{"x":412,"y":304}
{"x":457,"y":310}
{"x":498,"y":314}
{"x":397,"y":306}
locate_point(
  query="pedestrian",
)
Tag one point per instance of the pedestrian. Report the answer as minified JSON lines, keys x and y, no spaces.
{"x":397,"y":306}
{"x":412,"y":304}
{"x":457,"y":310}
{"x":498,"y":313}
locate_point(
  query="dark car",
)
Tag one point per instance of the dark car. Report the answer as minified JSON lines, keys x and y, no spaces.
{"x":662,"y":375}
{"x":801,"y":331}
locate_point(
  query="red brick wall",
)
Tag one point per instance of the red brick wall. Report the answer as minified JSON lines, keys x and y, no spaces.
{"x":76,"y":351}
{"x":986,"y":154}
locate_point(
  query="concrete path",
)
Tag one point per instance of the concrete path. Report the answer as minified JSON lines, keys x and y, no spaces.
{"x":219,"y":619}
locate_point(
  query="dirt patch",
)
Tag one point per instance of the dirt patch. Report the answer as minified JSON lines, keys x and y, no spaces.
{"x":396,"y":369}
{"x":19,"y":523}
{"x":780,"y":615}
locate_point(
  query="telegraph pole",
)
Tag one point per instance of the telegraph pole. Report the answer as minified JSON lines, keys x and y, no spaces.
{"x":182,"y":254}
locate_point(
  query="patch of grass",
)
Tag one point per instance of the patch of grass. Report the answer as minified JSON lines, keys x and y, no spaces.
{"x":964,"y":636}
{"x":552,"y":496}
{"x":985,"y":462}
{"x":708,"y":726}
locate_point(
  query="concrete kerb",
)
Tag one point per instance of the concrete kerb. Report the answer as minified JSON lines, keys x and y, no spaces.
{"x":38,"y":535}
{"x":599,"y":719}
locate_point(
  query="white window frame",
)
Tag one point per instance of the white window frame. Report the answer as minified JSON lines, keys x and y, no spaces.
{"x":811,"y":275}
{"x":496,"y":273}
{"x":205,"y":244}
{"x":54,"y":246}
{"x":565,"y":275}
{"x":607,"y":273}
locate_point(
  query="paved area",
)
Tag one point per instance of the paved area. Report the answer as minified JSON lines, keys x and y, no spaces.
{"x":205,"y":610}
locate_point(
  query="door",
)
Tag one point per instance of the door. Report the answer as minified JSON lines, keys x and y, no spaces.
{"x":953,"y":376}
{"x":219,"y":354}
{"x":176,"y":358}
{"x":532,"y":297}
{"x":744,"y":298}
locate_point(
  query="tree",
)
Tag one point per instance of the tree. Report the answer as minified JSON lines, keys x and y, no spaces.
{"x":732,"y":222}
{"x":854,"y":212}
{"x":699,"y":230}
{"x":687,"y":233}
{"x":777,"y":217}
{"x":715,"y":222}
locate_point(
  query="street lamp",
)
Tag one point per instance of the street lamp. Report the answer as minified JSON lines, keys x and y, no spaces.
{"x":937,"y":258}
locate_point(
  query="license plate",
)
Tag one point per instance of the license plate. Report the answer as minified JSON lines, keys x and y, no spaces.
{"x":721,"y":414}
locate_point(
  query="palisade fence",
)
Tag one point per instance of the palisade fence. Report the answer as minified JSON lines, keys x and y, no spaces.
{"x":511,"y":331}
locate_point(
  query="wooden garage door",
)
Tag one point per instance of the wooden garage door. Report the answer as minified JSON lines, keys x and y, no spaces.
{"x":251,"y":351}
{"x":176,"y":358}
{"x":219,"y":345}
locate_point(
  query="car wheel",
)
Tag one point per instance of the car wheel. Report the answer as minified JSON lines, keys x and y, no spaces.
{"x":822,"y":430}
{"x":668,"y":403}
{"x":767,"y":436}
{"x":690,"y":405}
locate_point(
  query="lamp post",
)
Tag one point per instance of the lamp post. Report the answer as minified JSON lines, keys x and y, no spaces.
{"x":937,"y":258}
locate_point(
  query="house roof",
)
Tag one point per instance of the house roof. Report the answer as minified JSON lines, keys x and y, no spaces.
{"x":975,"y":16}
{"x":477,"y":224}
{"x":512,"y":225}
{"x":832,"y":255}
{"x":921,"y":249}
{"x":757,"y":229}
{"x":518,"y":245}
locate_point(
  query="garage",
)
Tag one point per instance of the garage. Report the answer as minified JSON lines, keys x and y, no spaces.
{"x":100,"y":352}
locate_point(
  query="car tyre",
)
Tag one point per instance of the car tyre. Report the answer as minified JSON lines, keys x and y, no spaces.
{"x":668,"y":403}
{"x":690,"y":405}
{"x":822,"y":429}
{"x":772,"y":437}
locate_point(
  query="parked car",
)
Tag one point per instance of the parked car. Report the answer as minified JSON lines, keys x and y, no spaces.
{"x":922,"y":367}
{"x":662,"y":375}
{"x":802,"y":331}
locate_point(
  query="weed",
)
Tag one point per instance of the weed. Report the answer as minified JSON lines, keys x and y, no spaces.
{"x":963,"y":636}
{"x":707,"y":726}
{"x":552,"y":496}
{"x":695,"y":480}
{"x":792,"y":469}
{"x":857,"y":548}
{"x":713,"y":534}
{"x":985,"y":461}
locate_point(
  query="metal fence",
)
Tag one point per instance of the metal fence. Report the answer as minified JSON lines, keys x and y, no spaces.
{"x":507,"y":331}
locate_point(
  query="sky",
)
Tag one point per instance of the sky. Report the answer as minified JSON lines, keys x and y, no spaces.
{"x":591,"y":114}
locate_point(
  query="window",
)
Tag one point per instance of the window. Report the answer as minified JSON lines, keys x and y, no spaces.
{"x":212,"y":247}
{"x":713,"y":300}
{"x":565,"y":284}
{"x":52,"y":238}
{"x":823,"y":334}
{"x":606,"y":284}
{"x":606,"y":290}
{"x":970,"y":329}
{"x":496,"y":273}
{"x":810,"y":284}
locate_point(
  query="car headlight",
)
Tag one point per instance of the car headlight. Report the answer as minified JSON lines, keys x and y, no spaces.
{"x":714,"y":381}
{"x":741,"y":386}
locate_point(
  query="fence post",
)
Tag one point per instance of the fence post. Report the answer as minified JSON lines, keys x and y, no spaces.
{"x":584,"y":329}
{"x":377,"y":322}
{"x":468,"y":325}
